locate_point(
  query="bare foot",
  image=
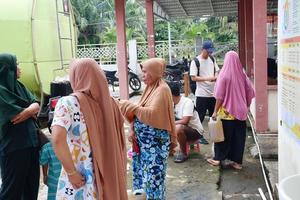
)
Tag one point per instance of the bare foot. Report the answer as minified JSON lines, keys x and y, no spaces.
{"x":237,"y":166}
{"x":213,"y":162}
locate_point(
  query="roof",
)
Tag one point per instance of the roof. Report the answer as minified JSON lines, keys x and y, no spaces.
{"x":174,"y":9}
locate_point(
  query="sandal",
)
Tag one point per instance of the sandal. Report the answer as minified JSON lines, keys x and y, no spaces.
{"x":213,"y":162}
{"x":138,"y":192}
{"x":180,"y":158}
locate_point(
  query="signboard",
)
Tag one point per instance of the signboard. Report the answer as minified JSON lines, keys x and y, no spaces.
{"x":289,"y":68}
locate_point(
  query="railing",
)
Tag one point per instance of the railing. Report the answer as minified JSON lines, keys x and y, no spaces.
{"x":106,"y":53}
{"x":179,"y":49}
{"x":221,"y":50}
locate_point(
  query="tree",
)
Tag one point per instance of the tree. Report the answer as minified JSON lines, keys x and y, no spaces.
{"x":96,"y":23}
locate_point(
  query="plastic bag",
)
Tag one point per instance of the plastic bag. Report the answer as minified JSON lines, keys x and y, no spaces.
{"x":215,"y":128}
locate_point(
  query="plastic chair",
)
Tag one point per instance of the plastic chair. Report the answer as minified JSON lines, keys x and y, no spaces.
{"x":192,"y":145}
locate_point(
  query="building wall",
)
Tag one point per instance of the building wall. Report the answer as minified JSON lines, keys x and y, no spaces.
{"x":272,"y":110}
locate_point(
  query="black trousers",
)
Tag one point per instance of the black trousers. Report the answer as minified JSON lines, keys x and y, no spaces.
{"x":232,"y":148}
{"x":20,"y":173}
{"x":203,"y":104}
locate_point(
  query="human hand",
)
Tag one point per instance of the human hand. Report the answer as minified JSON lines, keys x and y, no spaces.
{"x":172,"y":149}
{"x":22,"y":116}
{"x":214,"y":78}
{"x":211,"y":78}
{"x":77,"y":180}
{"x":130,"y":116}
{"x":131,"y":136}
{"x":214,"y":116}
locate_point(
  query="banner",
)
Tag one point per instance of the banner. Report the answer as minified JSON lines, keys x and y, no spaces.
{"x":289,"y":67}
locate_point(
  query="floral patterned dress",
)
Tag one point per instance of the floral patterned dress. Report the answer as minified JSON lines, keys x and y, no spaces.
{"x":150,"y":165}
{"x":67,"y":114}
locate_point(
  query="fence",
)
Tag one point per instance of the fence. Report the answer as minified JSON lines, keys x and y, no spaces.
{"x":106,"y":53}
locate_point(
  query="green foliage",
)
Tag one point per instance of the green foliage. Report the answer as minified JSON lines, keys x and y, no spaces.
{"x":161,"y":30}
{"x":96,"y":23}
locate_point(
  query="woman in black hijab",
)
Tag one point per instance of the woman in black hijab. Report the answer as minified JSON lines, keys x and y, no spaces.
{"x":19,"y":155}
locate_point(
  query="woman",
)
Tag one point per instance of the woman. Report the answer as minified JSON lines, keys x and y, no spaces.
{"x":88,"y":138}
{"x":233,"y":92}
{"x":19,"y":153}
{"x":152,"y":129}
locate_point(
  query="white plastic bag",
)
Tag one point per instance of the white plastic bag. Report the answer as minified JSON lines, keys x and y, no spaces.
{"x":215,"y":128}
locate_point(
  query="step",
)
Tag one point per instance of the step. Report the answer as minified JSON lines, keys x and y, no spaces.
{"x":242,"y":196}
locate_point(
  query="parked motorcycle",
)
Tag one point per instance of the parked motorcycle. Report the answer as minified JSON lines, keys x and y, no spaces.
{"x":174,"y":72}
{"x":62,"y":89}
{"x":133,"y":79}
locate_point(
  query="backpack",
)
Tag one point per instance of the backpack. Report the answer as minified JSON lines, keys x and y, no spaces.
{"x":193,"y":83}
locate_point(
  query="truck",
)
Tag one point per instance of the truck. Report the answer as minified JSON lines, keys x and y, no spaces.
{"x":43,"y":36}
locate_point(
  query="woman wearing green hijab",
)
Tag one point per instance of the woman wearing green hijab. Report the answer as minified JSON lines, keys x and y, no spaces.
{"x":19,"y":155}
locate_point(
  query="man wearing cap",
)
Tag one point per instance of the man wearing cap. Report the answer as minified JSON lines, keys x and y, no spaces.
{"x":204,"y":71}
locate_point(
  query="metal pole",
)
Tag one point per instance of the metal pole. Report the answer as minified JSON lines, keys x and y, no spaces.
{"x":170,"y":45}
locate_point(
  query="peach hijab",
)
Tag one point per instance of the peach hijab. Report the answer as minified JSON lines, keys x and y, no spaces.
{"x":105,"y":128}
{"x":155,"y":107}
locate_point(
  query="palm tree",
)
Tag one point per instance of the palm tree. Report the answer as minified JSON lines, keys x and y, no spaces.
{"x":96,"y":23}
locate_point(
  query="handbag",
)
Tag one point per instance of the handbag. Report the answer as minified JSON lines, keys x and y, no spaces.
{"x":215,"y":128}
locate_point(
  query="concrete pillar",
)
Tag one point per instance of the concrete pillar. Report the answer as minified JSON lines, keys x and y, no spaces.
{"x":249,"y":37}
{"x":242,"y":36}
{"x":150,"y":28}
{"x":260,"y":64}
{"x":121,"y":48}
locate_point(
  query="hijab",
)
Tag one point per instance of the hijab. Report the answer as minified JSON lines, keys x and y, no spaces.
{"x":14,"y":97}
{"x":233,"y":87}
{"x":104,"y":126}
{"x":155,"y":107}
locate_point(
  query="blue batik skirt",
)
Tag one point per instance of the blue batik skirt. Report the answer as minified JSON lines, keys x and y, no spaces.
{"x":150,"y":165}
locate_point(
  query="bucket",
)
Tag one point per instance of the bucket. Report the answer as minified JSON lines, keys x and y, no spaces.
{"x":289,"y":188}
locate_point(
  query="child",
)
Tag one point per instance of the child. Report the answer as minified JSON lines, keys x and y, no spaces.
{"x":51,"y":169}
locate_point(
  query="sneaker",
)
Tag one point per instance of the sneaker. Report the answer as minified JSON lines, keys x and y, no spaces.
{"x":203,"y":141}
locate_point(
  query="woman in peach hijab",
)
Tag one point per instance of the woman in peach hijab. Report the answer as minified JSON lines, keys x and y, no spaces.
{"x":152,"y":131}
{"x":88,"y":138}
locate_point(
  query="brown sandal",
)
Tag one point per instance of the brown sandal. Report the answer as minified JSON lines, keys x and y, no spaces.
{"x":213,"y":162}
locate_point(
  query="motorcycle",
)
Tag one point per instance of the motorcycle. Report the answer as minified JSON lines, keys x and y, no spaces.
{"x":133,"y":79}
{"x":62,"y":89}
{"x":174,"y":72}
